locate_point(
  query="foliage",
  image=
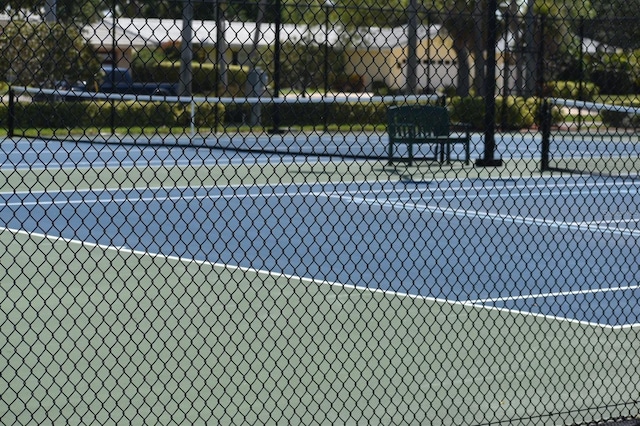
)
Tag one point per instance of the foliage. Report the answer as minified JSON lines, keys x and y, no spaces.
{"x":299,"y":114}
{"x":302,"y":65}
{"x":620,"y":118}
{"x":204,"y":75}
{"x":615,"y":73}
{"x":98,"y":114}
{"x":512,"y":113}
{"x":616,"y":23}
{"x":584,"y":91}
{"x":67,"y":11}
{"x":467,"y":109}
{"x":36,"y":53}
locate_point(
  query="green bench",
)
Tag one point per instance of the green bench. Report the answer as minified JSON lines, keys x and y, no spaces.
{"x":425,"y":124}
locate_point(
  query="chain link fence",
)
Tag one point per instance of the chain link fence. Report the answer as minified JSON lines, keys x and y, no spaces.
{"x":319,"y":212}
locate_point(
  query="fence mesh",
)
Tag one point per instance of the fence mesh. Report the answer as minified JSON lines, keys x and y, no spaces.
{"x":234,"y":212}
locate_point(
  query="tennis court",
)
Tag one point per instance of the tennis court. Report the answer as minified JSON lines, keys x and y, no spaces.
{"x":182,"y":284}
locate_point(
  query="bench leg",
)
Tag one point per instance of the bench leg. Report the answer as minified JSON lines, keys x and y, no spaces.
{"x":467,"y":153}
{"x":445,"y":152}
{"x":410,"y":153}
{"x":467,"y":150}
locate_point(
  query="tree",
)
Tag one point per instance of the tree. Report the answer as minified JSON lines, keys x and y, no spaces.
{"x":465,"y":22}
{"x":41,"y":52}
{"x":616,"y":23}
{"x":77,"y":11}
{"x":235,"y":10}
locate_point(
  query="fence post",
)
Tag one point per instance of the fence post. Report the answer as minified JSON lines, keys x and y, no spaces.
{"x":277,"y":68}
{"x":540,"y":60}
{"x":11,"y":114}
{"x":546,"y":135}
{"x":488,"y":159}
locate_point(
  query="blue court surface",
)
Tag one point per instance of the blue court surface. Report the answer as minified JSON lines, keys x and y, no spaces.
{"x":156,"y":150}
{"x":543,"y":245}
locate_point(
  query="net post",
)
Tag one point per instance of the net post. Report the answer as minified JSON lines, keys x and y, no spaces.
{"x":11,"y":114}
{"x":488,"y":158}
{"x":546,"y":135}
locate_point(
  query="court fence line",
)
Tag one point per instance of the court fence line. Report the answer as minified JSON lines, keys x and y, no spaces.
{"x":200,"y":221}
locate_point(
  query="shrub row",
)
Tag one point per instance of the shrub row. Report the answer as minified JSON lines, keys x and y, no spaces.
{"x":511,"y":113}
{"x":101,"y":114}
{"x":584,"y":91}
{"x":299,"y":114}
{"x":204,"y":76}
{"x":621,"y":118}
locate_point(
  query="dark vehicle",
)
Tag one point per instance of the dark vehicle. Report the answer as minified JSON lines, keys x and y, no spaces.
{"x":114,"y":80}
{"x":119,"y":80}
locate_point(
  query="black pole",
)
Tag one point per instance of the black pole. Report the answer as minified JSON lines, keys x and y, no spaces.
{"x":216,"y":90}
{"x":11,"y":124}
{"x":505,"y":72}
{"x":488,"y":159}
{"x":546,"y":135}
{"x":540,"y":91}
{"x":114,"y":64}
{"x":276,"y":69}
{"x":581,"y":71}
{"x":326,"y":65}
{"x":411,"y":87}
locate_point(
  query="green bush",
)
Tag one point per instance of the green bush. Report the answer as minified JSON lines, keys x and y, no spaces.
{"x":584,"y":91}
{"x":469,"y":109}
{"x":621,"y":118}
{"x":512,"y":113}
{"x":614,"y":73}
{"x":351,"y":113}
{"x":99,"y":114}
{"x":204,"y":76}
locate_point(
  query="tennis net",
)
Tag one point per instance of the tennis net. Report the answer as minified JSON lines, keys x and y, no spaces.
{"x":590,"y":138}
{"x":265,"y":124}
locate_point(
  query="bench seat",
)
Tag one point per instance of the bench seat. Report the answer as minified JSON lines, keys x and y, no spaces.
{"x":425,"y":124}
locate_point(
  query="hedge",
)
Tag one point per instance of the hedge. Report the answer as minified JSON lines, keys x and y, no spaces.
{"x":621,"y":118}
{"x":584,"y":91}
{"x":204,"y":76}
{"x":99,"y":114}
{"x":512,"y":113}
{"x":312,"y":114}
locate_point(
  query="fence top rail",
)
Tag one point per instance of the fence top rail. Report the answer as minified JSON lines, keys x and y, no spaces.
{"x":282,"y":99}
{"x":573,"y":103}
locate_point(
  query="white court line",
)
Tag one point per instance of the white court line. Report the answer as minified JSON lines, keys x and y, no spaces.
{"x":308,"y":280}
{"x":583,"y":226}
{"x":553,"y":294}
{"x":276,"y":191}
{"x":506,"y":218}
{"x":454,"y":188}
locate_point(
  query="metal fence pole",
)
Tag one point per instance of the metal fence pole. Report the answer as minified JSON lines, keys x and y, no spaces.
{"x":488,"y":159}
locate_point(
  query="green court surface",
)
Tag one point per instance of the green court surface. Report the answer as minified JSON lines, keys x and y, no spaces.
{"x":106,"y":334}
{"x":98,"y":334}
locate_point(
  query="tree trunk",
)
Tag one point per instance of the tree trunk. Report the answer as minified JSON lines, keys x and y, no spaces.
{"x":464,"y":71}
{"x":479,"y":42}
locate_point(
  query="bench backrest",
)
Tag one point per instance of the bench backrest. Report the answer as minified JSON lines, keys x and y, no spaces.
{"x":415,"y":121}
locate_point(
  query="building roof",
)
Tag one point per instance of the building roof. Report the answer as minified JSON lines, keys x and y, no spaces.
{"x":141,"y":32}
